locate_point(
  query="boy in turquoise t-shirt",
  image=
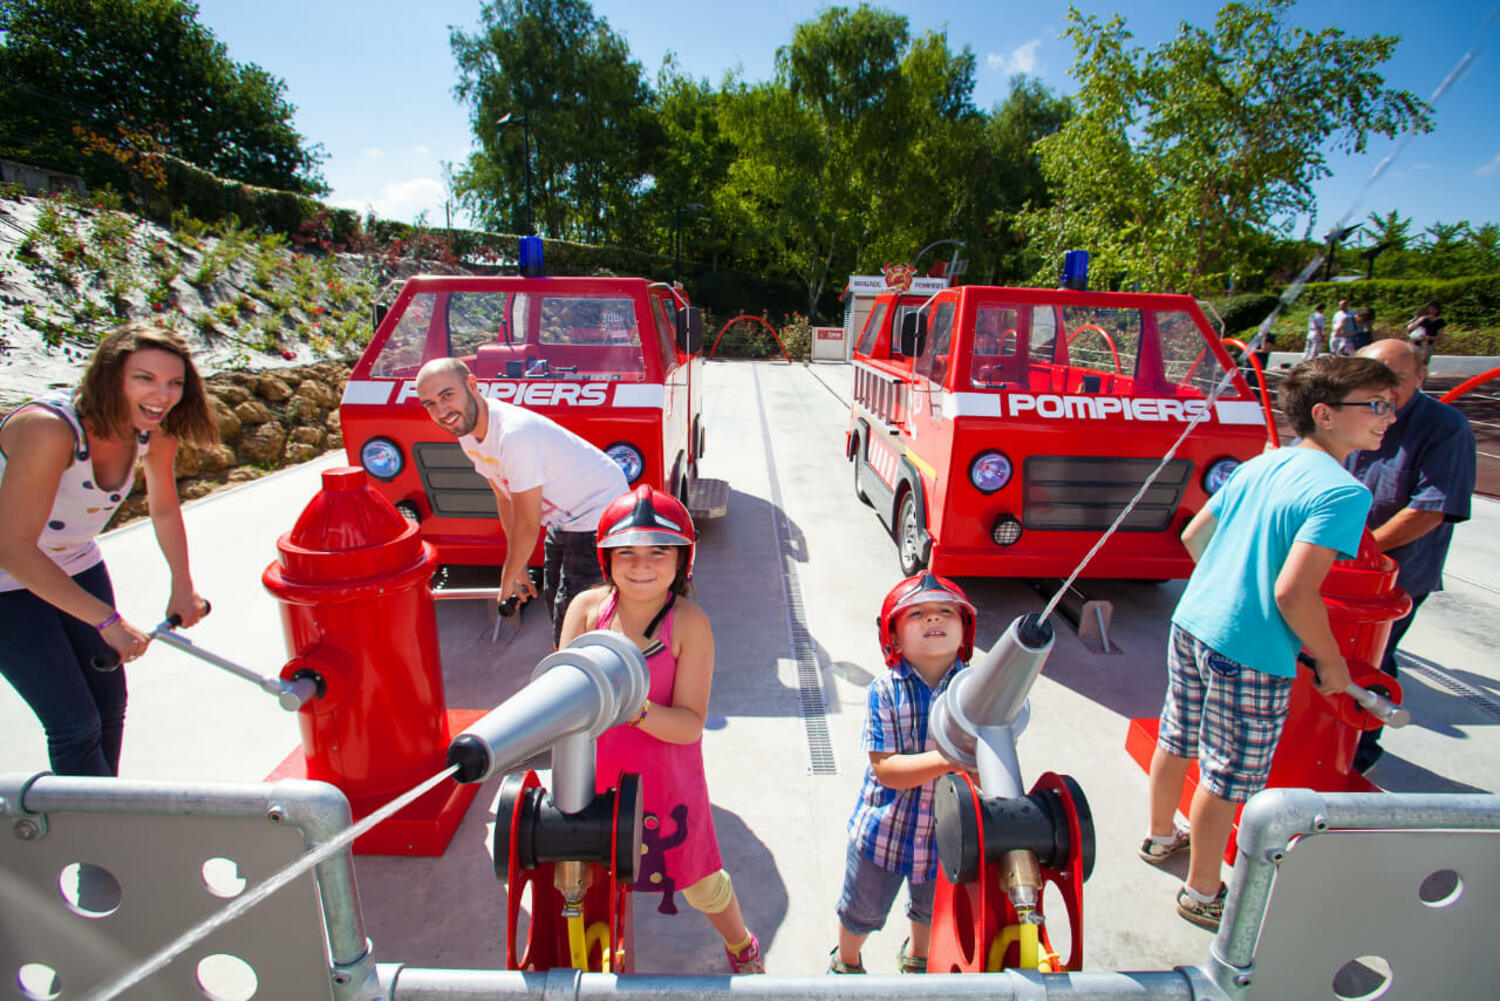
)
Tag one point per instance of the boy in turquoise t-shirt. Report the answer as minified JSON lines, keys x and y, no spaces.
{"x":1262,"y":545}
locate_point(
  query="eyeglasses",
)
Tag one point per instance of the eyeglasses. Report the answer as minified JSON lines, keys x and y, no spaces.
{"x":1377,"y":407}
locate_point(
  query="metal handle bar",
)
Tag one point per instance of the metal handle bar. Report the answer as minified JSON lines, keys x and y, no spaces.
{"x":507,"y":607}
{"x":1374,"y":703}
{"x":290,"y":695}
{"x":111,"y":660}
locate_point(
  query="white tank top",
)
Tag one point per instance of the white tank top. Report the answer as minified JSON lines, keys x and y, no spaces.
{"x":81,"y":507}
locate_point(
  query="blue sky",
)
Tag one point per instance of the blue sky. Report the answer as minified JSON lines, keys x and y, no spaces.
{"x":372,"y":80}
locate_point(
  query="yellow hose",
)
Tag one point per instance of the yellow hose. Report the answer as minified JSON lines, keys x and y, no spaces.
{"x":598,"y":934}
{"x":576,"y":948}
{"x":1030,"y":940}
{"x":1029,"y":937}
{"x":996,"y":958}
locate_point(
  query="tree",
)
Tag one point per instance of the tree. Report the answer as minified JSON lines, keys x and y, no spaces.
{"x":1180,"y":155}
{"x":853,"y":154}
{"x":90,"y":67}
{"x":587,"y":110}
{"x":1012,"y":171}
{"x":689,"y":165}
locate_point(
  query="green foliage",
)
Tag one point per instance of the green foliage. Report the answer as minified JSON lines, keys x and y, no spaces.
{"x":1244,"y":312}
{"x":1179,"y":156}
{"x":207,"y":199}
{"x":815,"y":189}
{"x":149,"y":66}
{"x":585,"y":104}
{"x":1470,"y":305}
{"x":796,"y":337}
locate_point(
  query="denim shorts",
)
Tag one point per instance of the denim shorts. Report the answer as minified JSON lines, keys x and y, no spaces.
{"x":870,"y":890}
{"x":1225,"y":714}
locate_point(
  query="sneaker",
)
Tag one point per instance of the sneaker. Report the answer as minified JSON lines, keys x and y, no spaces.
{"x":907,"y":963}
{"x":837,"y":965}
{"x":1156,"y":853}
{"x":1203,"y":915}
{"x":748,"y":959}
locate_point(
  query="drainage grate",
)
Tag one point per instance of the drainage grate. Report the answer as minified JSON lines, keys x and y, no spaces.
{"x":1449,"y":683}
{"x":814,"y":710}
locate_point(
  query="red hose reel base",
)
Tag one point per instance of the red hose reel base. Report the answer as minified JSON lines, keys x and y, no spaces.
{"x":967,"y":918}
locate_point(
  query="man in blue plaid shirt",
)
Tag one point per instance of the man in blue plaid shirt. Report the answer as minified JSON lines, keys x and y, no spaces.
{"x":927,"y":634}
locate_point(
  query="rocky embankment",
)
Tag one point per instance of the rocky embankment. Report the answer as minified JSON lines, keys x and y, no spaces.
{"x":266,"y":420}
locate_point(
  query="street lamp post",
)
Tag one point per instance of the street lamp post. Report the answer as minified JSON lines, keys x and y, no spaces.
{"x":676,"y":235}
{"x":525,"y":122}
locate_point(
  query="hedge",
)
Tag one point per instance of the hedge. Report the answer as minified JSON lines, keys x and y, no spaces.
{"x":210,"y":198}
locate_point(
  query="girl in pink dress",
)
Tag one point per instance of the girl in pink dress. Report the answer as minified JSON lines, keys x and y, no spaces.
{"x":646,"y":549}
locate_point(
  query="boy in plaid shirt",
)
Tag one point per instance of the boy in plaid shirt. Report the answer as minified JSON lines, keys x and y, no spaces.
{"x":927,"y":634}
{"x":1262,"y":544}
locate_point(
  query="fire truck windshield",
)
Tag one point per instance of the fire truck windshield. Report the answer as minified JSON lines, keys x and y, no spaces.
{"x":1120,"y":352}
{"x":518,"y":335}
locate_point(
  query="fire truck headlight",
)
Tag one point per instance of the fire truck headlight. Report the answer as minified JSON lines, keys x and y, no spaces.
{"x":629,"y":459}
{"x":1218,"y":474}
{"x":381,"y":458}
{"x":1006,"y":531}
{"x":989,"y":471}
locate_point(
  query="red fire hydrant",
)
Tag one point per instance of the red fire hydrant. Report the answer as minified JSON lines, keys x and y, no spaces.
{"x":352,"y":579}
{"x":1322,"y":731}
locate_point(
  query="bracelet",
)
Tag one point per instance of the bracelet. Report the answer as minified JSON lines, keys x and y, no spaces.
{"x":641,"y":718}
{"x":107,"y":622}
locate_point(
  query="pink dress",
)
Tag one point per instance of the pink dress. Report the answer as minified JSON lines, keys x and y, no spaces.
{"x":678,"y":843}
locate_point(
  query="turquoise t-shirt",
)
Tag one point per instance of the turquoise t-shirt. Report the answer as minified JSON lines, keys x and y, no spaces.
{"x":1278,"y":498}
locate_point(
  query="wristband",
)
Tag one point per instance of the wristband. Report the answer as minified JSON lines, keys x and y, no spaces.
{"x":107,"y":622}
{"x":641,"y":718}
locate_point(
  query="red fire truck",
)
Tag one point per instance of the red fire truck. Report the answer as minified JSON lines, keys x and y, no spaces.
{"x":615,"y":360}
{"x":1013,"y":425}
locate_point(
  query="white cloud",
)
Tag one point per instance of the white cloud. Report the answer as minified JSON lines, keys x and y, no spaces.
{"x":421,"y":150}
{"x":373,"y":152}
{"x":1022,"y":59}
{"x":1490,"y":168}
{"x":403,"y":200}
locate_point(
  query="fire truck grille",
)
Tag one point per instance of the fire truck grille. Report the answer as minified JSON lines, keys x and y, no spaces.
{"x":453,"y":489}
{"x":1072,"y":493}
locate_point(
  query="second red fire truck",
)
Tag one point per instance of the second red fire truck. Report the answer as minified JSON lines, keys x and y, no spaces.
{"x":1018,"y":423}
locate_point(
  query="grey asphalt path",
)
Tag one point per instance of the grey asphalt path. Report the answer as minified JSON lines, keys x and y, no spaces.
{"x":792,"y":579}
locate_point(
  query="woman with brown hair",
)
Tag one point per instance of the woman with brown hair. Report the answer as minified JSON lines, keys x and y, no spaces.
{"x":67,"y":461}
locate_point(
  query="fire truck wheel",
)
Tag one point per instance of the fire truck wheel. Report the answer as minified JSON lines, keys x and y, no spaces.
{"x":909,"y":537}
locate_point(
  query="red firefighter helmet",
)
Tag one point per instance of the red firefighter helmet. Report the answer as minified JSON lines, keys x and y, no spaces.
{"x":925,"y":586}
{"x":646,"y":517}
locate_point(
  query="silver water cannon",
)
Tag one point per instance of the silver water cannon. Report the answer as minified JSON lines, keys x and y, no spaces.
{"x":975,"y":723}
{"x":598,"y":681}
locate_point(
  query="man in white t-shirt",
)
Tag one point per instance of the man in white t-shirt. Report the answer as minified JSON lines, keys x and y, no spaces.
{"x":541,"y":474}
{"x":1315,"y":329}
{"x":1342,"y":331}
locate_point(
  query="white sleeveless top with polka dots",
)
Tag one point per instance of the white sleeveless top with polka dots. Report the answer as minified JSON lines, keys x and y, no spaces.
{"x":81,"y":508}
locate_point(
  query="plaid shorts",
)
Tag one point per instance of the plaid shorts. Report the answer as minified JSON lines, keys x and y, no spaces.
{"x":1226,"y":715}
